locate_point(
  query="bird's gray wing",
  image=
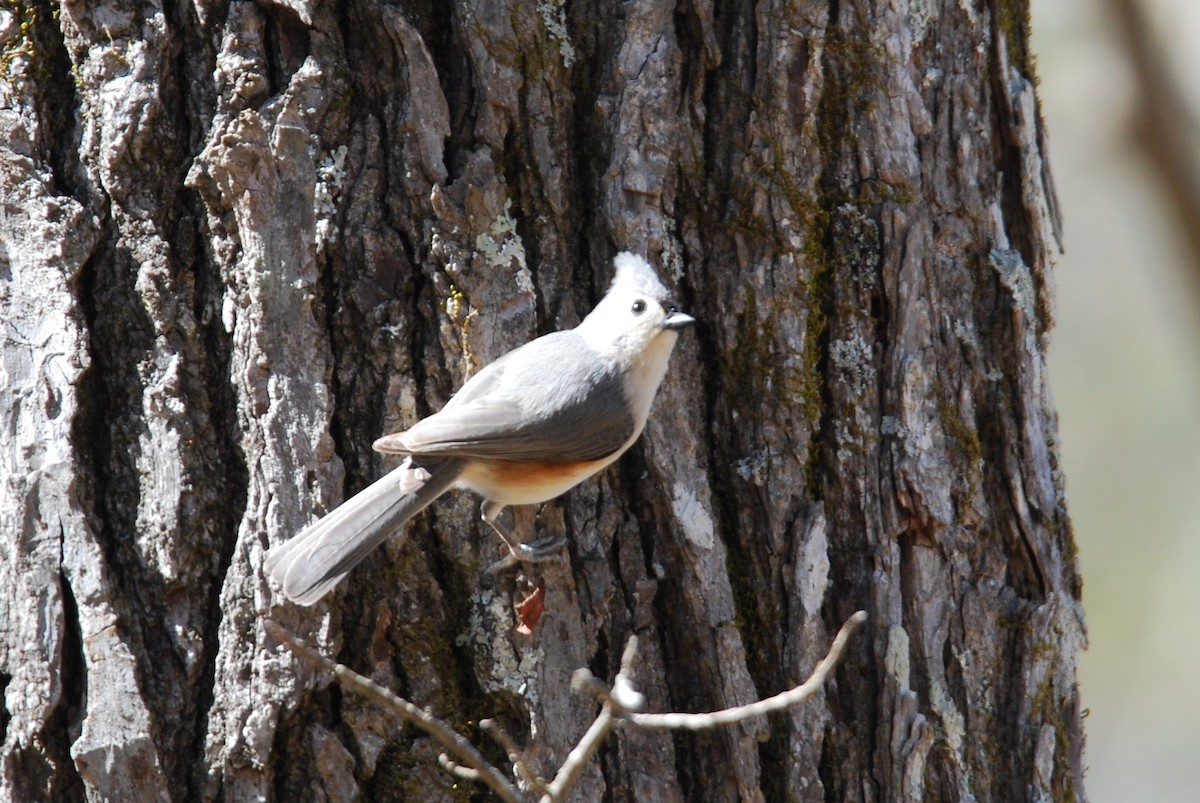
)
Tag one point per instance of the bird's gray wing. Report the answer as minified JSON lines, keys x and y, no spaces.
{"x":551,"y":399}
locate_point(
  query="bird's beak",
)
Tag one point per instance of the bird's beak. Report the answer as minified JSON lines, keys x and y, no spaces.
{"x":677,"y":320}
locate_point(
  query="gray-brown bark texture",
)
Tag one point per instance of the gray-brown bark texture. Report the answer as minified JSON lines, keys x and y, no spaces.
{"x":240,"y":240}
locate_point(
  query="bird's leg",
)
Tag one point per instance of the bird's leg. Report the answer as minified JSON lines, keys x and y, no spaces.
{"x":539,"y":551}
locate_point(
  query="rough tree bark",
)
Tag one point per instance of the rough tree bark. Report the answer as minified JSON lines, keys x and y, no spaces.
{"x":240,"y":240}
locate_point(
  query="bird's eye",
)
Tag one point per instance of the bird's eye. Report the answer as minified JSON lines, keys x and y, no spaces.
{"x":639,"y":307}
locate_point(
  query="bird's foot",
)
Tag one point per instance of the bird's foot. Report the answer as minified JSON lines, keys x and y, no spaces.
{"x":543,"y":550}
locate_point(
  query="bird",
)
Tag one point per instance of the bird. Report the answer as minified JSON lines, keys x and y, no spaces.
{"x":523,"y":430}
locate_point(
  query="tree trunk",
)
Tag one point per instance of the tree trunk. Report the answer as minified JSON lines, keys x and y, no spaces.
{"x":241,"y":240}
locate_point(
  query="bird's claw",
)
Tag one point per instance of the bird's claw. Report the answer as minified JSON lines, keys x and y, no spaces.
{"x":543,"y":550}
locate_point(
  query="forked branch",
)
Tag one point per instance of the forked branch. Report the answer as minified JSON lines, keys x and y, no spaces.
{"x":465,"y":755}
{"x":621,"y":706}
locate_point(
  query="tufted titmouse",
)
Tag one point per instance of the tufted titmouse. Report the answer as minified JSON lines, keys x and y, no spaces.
{"x":529,"y":426}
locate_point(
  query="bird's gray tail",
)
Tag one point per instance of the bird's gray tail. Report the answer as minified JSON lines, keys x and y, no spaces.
{"x":321,"y":554}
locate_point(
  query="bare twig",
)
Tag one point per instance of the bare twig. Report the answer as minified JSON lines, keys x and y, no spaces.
{"x":779,"y":702}
{"x":493,"y":729}
{"x":457,"y":746}
{"x":577,"y":759}
{"x":466,"y":773}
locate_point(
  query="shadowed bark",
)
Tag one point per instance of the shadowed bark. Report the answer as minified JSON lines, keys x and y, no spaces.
{"x":239,"y":241}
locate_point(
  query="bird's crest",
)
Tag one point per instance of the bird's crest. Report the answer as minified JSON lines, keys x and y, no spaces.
{"x":634,"y":273}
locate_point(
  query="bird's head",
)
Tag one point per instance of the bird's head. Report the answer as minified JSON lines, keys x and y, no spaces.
{"x":637,"y":316}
